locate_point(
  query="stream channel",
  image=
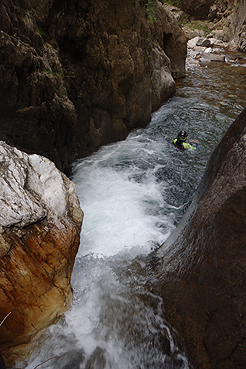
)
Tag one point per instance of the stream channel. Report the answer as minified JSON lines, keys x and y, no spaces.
{"x":133,"y":194}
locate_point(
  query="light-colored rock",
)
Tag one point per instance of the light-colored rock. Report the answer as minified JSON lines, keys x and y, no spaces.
{"x":214,"y":57}
{"x":191,"y":33}
{"x":232,"y":46}
{"x":214,"y":52}
{"x":208,"y":50}
{"x":193,"y":42}
{"x":227,"y":18}
{"x":217,"y":42}
{"x":29,"y":186}
{"x":218,"y":34}
{"x":40,"y":224}
{"x":206,"y":42}
{"x":163,"y":84}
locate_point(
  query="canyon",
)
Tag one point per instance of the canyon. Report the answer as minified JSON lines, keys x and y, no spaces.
{"x":76,"y":75}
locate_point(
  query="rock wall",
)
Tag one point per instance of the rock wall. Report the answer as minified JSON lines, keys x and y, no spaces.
{"x":78,"y":74}
{"x":200,"y":270}
{"x":197,"y":8}
{"x":40,"y":224}
{"x":229,"y":17}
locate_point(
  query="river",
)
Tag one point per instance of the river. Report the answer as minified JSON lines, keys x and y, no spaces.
{"x":133,"y":194}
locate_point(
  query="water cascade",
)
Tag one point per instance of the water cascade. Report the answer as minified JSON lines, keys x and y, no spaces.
{"x":133,"y":194}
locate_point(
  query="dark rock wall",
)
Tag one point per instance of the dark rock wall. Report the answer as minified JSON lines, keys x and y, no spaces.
{"x":78,"y":74}
{"x":200,"y":270}
{"x":197,"y":8}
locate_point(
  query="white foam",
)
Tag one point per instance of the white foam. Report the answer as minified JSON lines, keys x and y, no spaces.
{"x":121,"y":199}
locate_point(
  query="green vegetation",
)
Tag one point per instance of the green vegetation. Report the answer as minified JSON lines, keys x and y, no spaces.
{"x":54,"y":72}
{"x":196,"y":24}
{"x":58,"y":76}
{"x":28,"y":13}
{"x":150,"y":11}
{"x":30,"y":22}
{"x":185,"y":19}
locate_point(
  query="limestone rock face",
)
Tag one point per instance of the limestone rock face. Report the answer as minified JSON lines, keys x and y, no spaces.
{"x":234,"y":24}
{"x":78,"y":74}
{"x":40,"y":223}
{"x":229,"y":17}
{"x":200,"y":270}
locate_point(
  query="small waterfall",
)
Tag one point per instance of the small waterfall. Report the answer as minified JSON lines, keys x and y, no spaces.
{"x":133,"y":194}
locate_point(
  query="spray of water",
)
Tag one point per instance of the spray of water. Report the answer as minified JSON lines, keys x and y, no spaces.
{"x":122,"y":201}
{"x":133,"y":194}
{"x":114,"y":321}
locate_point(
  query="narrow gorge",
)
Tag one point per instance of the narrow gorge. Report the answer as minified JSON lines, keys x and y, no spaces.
{"x":149,"y":274}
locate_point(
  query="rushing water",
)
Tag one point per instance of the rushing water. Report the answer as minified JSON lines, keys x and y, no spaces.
{"x":133,"y":194}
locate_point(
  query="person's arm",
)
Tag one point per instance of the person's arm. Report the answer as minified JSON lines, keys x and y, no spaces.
{"x":187,"y":146}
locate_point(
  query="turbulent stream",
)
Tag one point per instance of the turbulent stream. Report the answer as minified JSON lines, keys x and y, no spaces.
{"x":133,"y":194}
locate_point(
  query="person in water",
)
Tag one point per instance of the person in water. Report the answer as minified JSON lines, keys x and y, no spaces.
{"x":181,"y":144}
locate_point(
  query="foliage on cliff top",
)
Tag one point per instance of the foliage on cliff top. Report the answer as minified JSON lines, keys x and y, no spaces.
{"x":150,"y":11}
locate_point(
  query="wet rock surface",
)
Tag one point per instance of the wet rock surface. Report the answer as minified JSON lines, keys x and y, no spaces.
{"x":40,"y":227}
{"x":200,"y":270}
{"x":209,"y":49}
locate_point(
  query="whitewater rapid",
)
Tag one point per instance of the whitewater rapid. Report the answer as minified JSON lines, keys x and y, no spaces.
{"x":124,"y":192}
{"x":122,"y":201}
{"x":133,"y":194}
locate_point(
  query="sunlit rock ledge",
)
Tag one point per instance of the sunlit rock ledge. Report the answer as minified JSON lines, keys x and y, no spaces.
{"x":40,"y":224}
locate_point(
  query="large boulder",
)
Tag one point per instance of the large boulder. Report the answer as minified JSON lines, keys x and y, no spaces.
{"x":40,"y":224}
{"x":78,"y":74}
{"x":197,"y":8}
{"x":200,"y":270}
